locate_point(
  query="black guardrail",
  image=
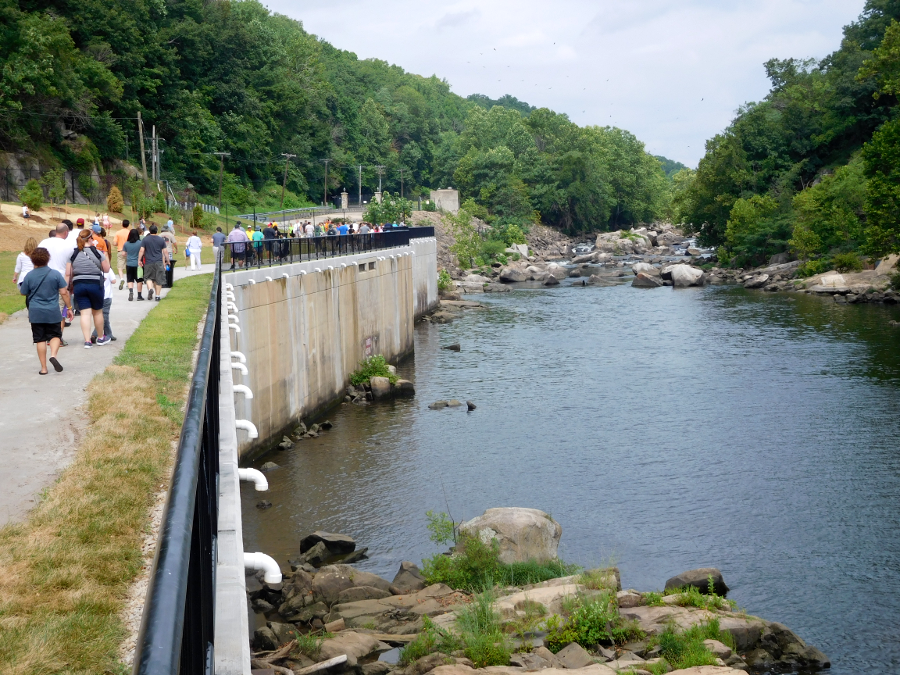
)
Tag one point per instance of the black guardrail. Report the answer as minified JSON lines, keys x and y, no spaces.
{"x":283,"y":251}
{"x":179,"y":612}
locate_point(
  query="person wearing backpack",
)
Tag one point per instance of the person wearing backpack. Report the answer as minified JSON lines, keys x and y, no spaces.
{"x":86,"y":272}
{"x":43,"y":289}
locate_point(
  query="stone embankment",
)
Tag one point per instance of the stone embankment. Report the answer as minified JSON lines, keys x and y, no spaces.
{"x":335,"y":617}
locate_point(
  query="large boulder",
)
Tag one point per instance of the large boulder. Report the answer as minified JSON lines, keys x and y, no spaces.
{"x":644,"y":280}
{"x":684,"y":276}
{"x":510,"y":274}
{"x":699,"y":579}
{"x":523,"y":534}
{"x":574,"y":656}
{"x":336,"y":544}
{"x":758,"y":281}
{"x":329,"y":582}
{"x":381,"y":386}
{"x":646,"y":268}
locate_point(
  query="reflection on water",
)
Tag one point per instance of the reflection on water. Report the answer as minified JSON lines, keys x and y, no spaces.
{"x":663,"y":429}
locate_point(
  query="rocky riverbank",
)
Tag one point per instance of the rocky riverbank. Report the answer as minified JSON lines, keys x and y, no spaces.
{"x":335,"y":618}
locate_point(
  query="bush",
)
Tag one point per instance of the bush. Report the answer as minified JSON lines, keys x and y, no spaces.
{"x":208,"y":221}
{"x":115,"y":202}
{"x":686,"y":649}
{"x":87,"y":186}
{"x":374,"y":366}
{"x":432,"y":639}
{"x":196,"y":216}
{"x":429,"y":206}
{"x":32,"y":195}
{"x":476,"y":565}
{"x":55,"y":181}
{"x":895,"y":281}
{"x":445,"y":283}
{"x":591,"y":621}
{"x":810,"y":268}
{"x":847,"y":262}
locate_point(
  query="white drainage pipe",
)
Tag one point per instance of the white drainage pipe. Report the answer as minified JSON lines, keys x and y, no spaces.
{"x":256,"y":477}
{"x":243,"y":389}
{"x":236,"y":318}
{"x":241,"y":367}
{"x":229,"y":296}
{"x":234,"y":327}
{"x":239,"y":356}
{"x":286,"y":275}
{"x":260,"y":561}
{"x":247,"y":426}
{"x":268,"y":278}
{"x":228,"y":287}
{"x":232,"y":307}
{"x":252,"y":281}
{"x":302,"y":271}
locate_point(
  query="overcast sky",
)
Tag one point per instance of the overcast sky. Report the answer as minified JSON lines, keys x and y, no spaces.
{"x":671,"y":71}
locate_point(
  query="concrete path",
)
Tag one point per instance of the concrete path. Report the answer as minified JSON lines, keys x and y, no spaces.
{"x":41,"y":416}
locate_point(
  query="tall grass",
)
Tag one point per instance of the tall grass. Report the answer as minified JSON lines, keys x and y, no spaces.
{"x":65,"y":571}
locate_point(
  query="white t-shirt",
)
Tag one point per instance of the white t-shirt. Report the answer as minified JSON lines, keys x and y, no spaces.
{"x":108,"y":280}
{"x":310,"y":229}
{"x":72,"y":236}
{"x":60,"y":251}
{"x":23,"y":267}
{"x":194,"y":244}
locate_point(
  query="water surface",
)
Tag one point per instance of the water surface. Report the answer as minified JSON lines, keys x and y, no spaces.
{"x":663,"y":429}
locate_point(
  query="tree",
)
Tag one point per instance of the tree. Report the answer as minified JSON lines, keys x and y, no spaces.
{"x":467,"y":241}
{"x":881,"y":156}
{"x":196,"y":216}
{"x":392,"y":209}
{"x":55,"y":182}
{"x":32,"y":195}
{"x":114,"y":201}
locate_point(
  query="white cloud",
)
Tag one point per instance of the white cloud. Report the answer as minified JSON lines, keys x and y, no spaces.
{"x":672,"y":72}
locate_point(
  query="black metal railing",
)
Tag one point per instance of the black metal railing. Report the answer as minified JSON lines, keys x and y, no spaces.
{"x":283,"y":251}
{"x":179,"y":612}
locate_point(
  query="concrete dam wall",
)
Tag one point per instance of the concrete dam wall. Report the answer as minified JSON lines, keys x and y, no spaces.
{"x":305,"y":327}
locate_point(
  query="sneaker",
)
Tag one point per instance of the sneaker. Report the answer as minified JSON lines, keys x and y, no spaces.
{"x":113,"y":339}
{"x":88,"y":345}
{"x":158,"y":298}
{"x":150,"y":294}
{"x":105,"y":340}
{"x":67,"y":324}
{"x":121,"y":284}
{"x":63,"y":343}
{"x":93,"y":339}
{"x":130,"y":296}
{"x":140,"y":297}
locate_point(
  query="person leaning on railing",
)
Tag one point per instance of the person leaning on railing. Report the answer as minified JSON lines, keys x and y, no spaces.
{"x":237,"y":241}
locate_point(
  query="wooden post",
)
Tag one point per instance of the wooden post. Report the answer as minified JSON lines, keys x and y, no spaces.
{"x":143,"y":156}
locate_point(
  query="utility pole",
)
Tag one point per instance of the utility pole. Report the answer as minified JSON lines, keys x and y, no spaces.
{"x":287,"y":159}
{"x":380,"y":169}
{"x":222,"y":156}
{"x":143,"y":156}
{"x":325,"y":183}
{"x":401,"y":183}
{"x":360,"y":186}
{"x":153,"y":159}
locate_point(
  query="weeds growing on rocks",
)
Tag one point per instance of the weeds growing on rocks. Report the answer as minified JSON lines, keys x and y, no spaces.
{"x":589,"y":621}
{"x":686,"y":649}
{"x":692,"y":597}
{"x":374,"y":366}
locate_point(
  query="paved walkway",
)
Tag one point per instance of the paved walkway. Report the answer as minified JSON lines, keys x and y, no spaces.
{"x":41,"y":417}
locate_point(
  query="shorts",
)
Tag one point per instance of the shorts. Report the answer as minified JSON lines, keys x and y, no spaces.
{"x":131,"y":274}
{"x":44,"y":332}
{"x":88,"y":295}
{"x":121,"y":257}
{"x":155,"y":272}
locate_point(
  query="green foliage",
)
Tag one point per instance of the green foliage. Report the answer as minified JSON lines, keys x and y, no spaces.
{"x":881,"y":155}
{"x":208,"y":221}
{"x":895,"y":281}
{"x":692,"y":597}
{"x":686,"y":649}
{"x":432,"y":639}
{"x":653,"y":599}
{"x":441,"y":527}
{"x":445,"y":282}
{"x":429,"y":206}
{"x":392,"y":209}
{"x":810,"y":268}
{"x":86,"y":186}
{"x":374,"y":366}
{"x":196,"y":216}
{"x":483,"y":638}
{"x":467,"y":241}
{"x":603,"y":578}
{"x":847,"y":262}
{"x":32,"y":195}
{"x":309,"y":644}
{"x":756,"y":230}
{"x":55,"y":182}
{"x":475,"y":565}
{"x":591,"y":620}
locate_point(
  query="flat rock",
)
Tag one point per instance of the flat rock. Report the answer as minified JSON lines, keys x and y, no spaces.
{"x":721,"y":650}
{"x":757,"y":282}
{"x":550,"y":598}
{"x":551,"y":281}
{"x":335,"y":543}
{"x":510,"y":274}
{"x":653,"y":620}
{"x":574,"y":656}
{"x":708,"y":670}
{"x":362,"y":593}
{"x":644,"y":280}
{"x":354,"y":645}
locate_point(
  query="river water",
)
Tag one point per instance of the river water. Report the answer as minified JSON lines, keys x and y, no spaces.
{"x":665,"y":430}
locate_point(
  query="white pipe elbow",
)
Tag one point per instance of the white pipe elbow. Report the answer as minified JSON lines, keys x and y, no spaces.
{"x":256,"y":477}
{"x":239,"y":356}
{"x":243,"y":389}
{"x":247,"y":426}
{"x":241,"y":367}
{"x":229,"y":296}
{"x":260,"y":561}
{"x":286,"y":275}
{"x":232,"y":307}
{"x":228,"y":287}
{"x":234,"y":327}
{"x":252,"y":281}
{"x":268,"y":278}
{"x":236,"y":318}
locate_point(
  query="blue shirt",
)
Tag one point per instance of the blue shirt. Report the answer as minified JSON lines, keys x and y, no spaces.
{"x":218,"y":238}
{"x":42,"y":286}
{"x":342,"y":228}
{"x":132,"y":249}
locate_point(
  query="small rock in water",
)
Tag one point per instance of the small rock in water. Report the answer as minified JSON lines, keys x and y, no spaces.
{"x":264,"y":504}
{"x":286,"y":444}
{"x":311,"y":434}
{"x":471,"y":406}
{"x":453,"y":403}
{"x":437,"y":405}
{"x":453,"y":347}
{"x":405,"y":388}
{"x":269,"y":466}
{"x":326,"y":425}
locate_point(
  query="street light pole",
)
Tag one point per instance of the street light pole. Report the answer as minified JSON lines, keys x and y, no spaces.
{"x":360,"y":186}
{"x":287,"y":159}
{"x":325,"y":183}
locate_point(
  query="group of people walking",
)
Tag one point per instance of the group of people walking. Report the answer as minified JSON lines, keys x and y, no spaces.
{"x":68,"y":274}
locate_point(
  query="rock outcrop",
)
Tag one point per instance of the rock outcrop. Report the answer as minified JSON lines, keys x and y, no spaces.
{"x":523,"y":534}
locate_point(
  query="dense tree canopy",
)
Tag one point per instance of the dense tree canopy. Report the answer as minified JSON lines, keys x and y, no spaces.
{"x":812,"y":167}
{"x":231,"y":76}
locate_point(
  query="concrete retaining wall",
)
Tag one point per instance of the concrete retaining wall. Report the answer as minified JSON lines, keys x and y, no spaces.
{"x":305,"y":327}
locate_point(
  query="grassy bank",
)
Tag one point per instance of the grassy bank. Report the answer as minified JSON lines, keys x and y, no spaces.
{"x":10,"y":300}
{"x":65,"y":571}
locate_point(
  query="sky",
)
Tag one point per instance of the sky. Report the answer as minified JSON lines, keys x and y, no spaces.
{"x":673,"y":72}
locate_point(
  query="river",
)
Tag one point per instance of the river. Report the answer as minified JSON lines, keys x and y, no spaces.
{"x":665,"y":430}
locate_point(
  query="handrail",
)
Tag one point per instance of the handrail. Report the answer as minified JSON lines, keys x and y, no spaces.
{"x":178,"y":620}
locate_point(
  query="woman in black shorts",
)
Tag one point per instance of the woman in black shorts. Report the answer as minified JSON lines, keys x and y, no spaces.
{"x":85,"y":271}
{"x":132,"y":249}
